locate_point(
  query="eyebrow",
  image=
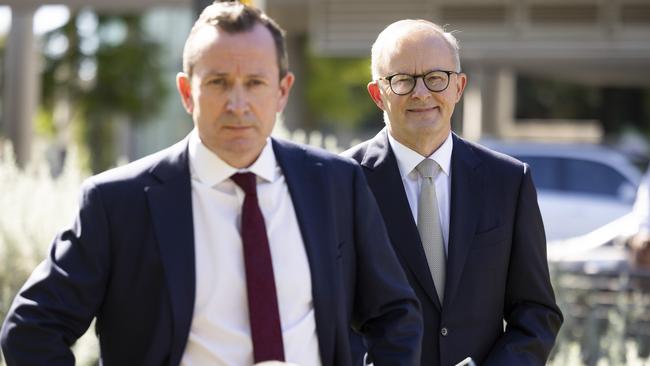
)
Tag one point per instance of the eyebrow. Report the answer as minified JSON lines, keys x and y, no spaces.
{"x":225,"y":74}
{"x":423,"y":73}
{"x":215,"y":73}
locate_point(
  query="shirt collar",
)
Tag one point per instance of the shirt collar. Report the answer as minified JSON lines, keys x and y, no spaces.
{"x":210,"y":169}
{"x":408,"y":159}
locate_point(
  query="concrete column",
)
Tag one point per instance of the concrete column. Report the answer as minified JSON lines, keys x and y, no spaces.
{"x":473,"y":105}
{"x":498,"y":101}
{"x":504,"y":107}
{"x":21,"y":83}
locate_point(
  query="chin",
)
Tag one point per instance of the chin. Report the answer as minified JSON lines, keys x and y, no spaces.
{"x":244,"y":145}
{"x":240,"y":144}
{"x":426,"y":124}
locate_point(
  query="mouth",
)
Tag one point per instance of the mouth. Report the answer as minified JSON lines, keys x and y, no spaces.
{"x":237,"y":128}
{"x":422,"y":109}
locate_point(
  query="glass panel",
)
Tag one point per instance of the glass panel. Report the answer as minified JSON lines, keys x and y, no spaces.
{"x":545,"y":171}
{"x":591,"y":177}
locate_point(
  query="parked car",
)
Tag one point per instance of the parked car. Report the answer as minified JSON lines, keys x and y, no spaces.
{"x":581,"y":187}
{"x":586,"y":194}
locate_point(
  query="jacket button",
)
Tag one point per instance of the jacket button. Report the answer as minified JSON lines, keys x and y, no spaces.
{"x":443,"y":331}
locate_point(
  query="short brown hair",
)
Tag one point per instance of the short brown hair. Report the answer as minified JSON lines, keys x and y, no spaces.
{"x":235,"y":17}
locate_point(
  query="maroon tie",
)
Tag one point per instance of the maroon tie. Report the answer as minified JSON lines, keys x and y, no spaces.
{"x":266,"y":331}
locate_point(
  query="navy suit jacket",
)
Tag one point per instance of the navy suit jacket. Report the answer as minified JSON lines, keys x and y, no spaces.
{"x":128,"y":260}
{"x":496,"y":264}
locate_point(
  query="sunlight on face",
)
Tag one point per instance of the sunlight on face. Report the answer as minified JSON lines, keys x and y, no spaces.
{"x":234,"y":92}
{"x":422,"y":116}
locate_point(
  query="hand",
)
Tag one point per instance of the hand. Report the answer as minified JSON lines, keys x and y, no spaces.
{"x":275,"y":363}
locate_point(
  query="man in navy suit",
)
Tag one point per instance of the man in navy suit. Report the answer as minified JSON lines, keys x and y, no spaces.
{"x":228,"y":248}
{"x":463,"y":220}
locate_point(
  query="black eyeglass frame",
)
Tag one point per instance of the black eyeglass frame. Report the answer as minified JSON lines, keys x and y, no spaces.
{"x":415,"y":80}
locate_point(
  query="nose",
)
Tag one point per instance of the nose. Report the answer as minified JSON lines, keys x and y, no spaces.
{"x":237,"y":101}
{"x":420,"y":90}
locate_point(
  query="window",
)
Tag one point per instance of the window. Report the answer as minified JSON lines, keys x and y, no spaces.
{"x":576,"y":176}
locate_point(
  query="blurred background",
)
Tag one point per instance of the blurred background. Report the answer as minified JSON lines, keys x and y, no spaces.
{"x":564,"y":85}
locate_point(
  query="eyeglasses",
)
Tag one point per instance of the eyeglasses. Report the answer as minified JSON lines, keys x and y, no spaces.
{"x":402,"y":84}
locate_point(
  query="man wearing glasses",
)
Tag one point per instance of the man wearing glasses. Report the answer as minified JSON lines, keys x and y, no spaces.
{"x":463,"y":220}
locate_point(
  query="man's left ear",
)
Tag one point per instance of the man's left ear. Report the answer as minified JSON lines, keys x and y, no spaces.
{"x":462,"y":82}
{"x":285,"y":86}
{"x":185,"y":91}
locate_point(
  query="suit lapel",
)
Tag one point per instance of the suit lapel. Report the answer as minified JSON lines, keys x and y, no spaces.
{"x":305,"y":180}
{"x":171,"y":213}
{"x":465,"y":193}
{"x":385,"y":181}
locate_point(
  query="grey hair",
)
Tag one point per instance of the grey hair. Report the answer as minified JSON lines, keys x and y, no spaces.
{"x":393,"y":29}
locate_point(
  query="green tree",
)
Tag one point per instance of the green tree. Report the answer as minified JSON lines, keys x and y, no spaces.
{"x":336,"y":91}
{"x":102,"y":68}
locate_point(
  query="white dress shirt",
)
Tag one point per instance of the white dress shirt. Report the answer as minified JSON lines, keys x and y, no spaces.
{"x":407,"y":160}
{"x":220,"y":331}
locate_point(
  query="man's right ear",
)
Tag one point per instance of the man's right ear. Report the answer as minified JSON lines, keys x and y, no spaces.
{"x":185,"y":90}
{"x":375,"y":94}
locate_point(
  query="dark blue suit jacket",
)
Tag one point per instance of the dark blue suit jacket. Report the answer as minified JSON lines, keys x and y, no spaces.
{"x":128,"y":260}
{"x":496,"y":266}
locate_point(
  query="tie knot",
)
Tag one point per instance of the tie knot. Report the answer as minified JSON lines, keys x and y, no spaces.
{"x":246,"y":181}
{"x":427,"y":168}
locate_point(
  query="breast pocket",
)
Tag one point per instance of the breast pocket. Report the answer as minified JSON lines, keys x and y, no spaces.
{"x":490,"y":237}
{"x":489,"y":249}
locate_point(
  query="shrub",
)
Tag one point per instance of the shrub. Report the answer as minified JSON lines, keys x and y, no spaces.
{"x":35,"y":206}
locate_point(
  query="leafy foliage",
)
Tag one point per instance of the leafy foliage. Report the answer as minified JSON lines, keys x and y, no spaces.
{"x":336,"y":91}
{"x":105,"y":69}
{"x":35,"y":206}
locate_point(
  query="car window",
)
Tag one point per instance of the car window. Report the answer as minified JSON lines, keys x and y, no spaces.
{"x":592,"y":177}
{"x":576,"y":175}
{"x":546,"y":171}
